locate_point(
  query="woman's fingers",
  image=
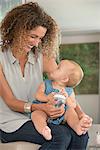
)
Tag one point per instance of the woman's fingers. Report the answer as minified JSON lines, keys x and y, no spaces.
{"x":56,"y":112}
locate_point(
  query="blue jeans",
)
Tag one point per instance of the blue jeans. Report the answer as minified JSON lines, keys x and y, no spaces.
{"x":64,"y":138}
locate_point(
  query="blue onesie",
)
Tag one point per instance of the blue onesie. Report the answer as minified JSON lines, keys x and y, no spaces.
{"x":49,"y":89}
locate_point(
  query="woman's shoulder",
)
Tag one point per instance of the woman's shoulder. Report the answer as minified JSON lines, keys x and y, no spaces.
{"x":1,"y":54}
{"x":0,"y":51}
{"x":1,"y":58}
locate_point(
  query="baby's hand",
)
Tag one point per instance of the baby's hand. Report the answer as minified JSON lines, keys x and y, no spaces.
{"x":50,"y":98}
{"x":63,"y":92}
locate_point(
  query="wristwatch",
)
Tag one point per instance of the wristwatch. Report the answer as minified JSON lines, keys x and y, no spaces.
{"x":27,"y":107}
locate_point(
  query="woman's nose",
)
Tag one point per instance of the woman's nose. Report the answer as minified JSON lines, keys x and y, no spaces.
{"x":36,"y":42}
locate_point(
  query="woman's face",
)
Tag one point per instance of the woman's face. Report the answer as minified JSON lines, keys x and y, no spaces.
{"x":32,"y":38}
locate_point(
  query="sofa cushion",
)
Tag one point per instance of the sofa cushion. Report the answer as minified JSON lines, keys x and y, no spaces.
{"x":93,"y":134}
{"x":19,"y":146}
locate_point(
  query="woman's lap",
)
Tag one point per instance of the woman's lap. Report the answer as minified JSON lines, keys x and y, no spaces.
{"x":62,"y":137}
{"x":26,"y":132}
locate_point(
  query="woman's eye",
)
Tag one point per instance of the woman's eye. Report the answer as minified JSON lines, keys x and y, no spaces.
{"x":35,"y":37}
{"x":32,"y":36}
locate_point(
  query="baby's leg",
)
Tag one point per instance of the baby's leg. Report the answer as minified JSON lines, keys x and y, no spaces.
{"x":73,"y":121}
{"x":39,"y":119}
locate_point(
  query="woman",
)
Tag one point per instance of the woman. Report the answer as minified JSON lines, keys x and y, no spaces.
{"x":29,"y":46}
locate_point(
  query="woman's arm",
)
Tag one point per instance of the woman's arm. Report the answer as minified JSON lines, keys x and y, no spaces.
{"x":18,"y":105}
{"x":49,"y":109}
{"x":7,"y":94}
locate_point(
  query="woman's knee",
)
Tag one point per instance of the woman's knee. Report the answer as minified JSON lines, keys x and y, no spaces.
{"x":79,"y":142}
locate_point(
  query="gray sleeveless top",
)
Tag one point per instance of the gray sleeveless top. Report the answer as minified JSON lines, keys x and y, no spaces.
{"x":22,"y":88}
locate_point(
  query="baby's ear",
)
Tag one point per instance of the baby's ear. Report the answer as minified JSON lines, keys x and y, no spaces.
{"x":65,"y":79}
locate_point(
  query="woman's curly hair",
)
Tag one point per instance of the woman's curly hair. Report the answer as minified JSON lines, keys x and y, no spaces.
{"x":26,"y":17}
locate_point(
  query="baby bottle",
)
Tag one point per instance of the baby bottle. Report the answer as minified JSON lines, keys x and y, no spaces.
{"x":59,"y":99}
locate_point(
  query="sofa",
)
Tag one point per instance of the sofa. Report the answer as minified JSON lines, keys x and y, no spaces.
{"x":30,"y":146}
{"x":92,"y":144}
{"x":19,"y":146}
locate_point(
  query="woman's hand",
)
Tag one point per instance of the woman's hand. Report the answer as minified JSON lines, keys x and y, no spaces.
{"x":52,"y":111}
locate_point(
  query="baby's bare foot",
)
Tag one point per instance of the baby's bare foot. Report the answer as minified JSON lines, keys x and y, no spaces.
{"x":47,"y":133}
{"x":83,"y":125}
{"x":86,"y":124}
{"x":79,"y":129}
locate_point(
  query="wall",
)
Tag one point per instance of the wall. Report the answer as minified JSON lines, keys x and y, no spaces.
{"x":74,"y":14}
{"x":91,"y":105}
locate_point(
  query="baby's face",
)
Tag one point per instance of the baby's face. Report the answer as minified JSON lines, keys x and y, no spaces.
{"x":60,"y":73}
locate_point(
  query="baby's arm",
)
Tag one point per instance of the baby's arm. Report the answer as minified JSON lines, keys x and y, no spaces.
{"x":71,"y":101}
{"x":79,"y":111}
{"x":87,"y":120}
{"x":71,"y":115}
{"x":41,"y":96}
{"x":75,"y":117}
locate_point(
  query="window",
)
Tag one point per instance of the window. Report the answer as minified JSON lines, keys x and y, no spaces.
{"x":6,"y":5}
{"x":87,"y":55}
{"x":83,"y":47}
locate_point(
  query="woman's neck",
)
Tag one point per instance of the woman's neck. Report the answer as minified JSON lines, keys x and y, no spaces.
{"x":19,"y":54}
{"x":22,"y":58}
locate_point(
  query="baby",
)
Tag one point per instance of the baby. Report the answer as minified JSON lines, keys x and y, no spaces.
{"x":68,"y":75}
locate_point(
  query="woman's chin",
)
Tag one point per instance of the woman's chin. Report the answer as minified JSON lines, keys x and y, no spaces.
{"x":27,"y":50}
